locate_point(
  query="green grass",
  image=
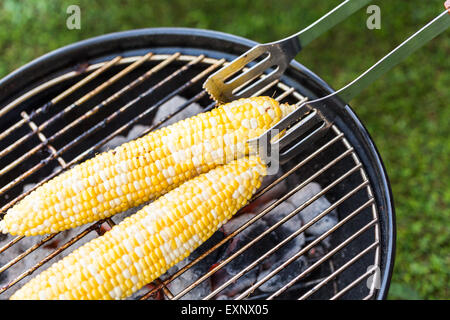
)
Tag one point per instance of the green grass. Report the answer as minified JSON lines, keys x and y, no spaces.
{"x":407,"y":112}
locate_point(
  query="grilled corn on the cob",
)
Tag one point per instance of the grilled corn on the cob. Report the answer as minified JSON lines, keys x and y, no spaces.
{"x":146,"y":244}
{"x":143,"y":169}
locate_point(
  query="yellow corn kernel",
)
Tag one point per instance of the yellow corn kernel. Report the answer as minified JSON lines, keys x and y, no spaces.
{"x":152,"y":234}
{"x":143,"y":169}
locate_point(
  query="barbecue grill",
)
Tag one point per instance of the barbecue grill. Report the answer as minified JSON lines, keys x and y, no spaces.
{"x":68,"y":105}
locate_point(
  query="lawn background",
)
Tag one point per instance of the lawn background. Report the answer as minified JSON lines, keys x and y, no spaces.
{"x":407,"y":111}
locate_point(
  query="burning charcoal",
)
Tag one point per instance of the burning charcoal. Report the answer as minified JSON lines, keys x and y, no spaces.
{"x":284,"y":231}
{"x":236,"y":222}
{"x":283,"y":277}
{"x":281,"y":211}
{"x":196,"y":271}
{"x":292,"y":247}
{"x":314,"y":209}
{"x":316,"y":252}
{"x":247,"y":257}
{"x":28,"y":187}
{"x":287,"y":250}
{"x":284,"y":252}
{"x":157,"y":295}
{"x":275,"y":192}
{"x":234,"y":288}
{"x":187,"y":278}
{"x":171,"y":106}
{"x":134,"y":133}
{"x":122,"y":215}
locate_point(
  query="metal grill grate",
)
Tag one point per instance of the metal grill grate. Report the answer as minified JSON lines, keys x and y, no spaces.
{"x":88,"y":107}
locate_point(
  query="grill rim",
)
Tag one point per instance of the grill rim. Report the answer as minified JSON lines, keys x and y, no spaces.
{"x":227,"y":44}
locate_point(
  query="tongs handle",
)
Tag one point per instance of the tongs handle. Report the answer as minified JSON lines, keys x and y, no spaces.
{"x":332,"y":18}
{"x":400,"y":53}
{"x":293,"y":44}
{"x":263,"y":143}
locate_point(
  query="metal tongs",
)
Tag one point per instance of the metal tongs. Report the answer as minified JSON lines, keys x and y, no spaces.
{"x":264,"y":144}
{"x":230,"y":84}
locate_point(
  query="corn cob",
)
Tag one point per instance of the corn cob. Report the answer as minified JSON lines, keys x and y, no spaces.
{"x":146,"y":244}
{"x":143,"y":169}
